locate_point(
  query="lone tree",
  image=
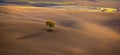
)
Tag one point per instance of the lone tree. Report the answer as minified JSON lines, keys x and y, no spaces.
{"x":50,"y":24}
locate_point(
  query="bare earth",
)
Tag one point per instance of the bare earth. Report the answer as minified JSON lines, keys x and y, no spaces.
{"x":22,"y":32}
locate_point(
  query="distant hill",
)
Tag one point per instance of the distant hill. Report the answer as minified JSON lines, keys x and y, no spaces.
{"x":103,"y":3}
{"x":63,"y":0}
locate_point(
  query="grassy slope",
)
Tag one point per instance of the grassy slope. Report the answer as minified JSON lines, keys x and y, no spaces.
{"x":23,"y":32}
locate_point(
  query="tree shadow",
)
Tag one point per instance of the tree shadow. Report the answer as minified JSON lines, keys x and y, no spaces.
{"x":29,"y":36}
{"x":49,"y":30}
{"x":34,"y":35}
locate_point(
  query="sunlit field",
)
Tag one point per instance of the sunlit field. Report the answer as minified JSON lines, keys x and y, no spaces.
{"x":59,"y":30}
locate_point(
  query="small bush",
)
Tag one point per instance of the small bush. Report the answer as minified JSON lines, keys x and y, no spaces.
{"x":50,"y":24}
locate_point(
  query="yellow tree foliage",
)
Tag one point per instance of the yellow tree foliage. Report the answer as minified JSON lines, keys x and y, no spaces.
{"x":50,"y":23}
{"x":108,"y":9}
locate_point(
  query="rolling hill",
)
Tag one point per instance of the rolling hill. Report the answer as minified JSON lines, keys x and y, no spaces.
{"x":23,"y":32}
